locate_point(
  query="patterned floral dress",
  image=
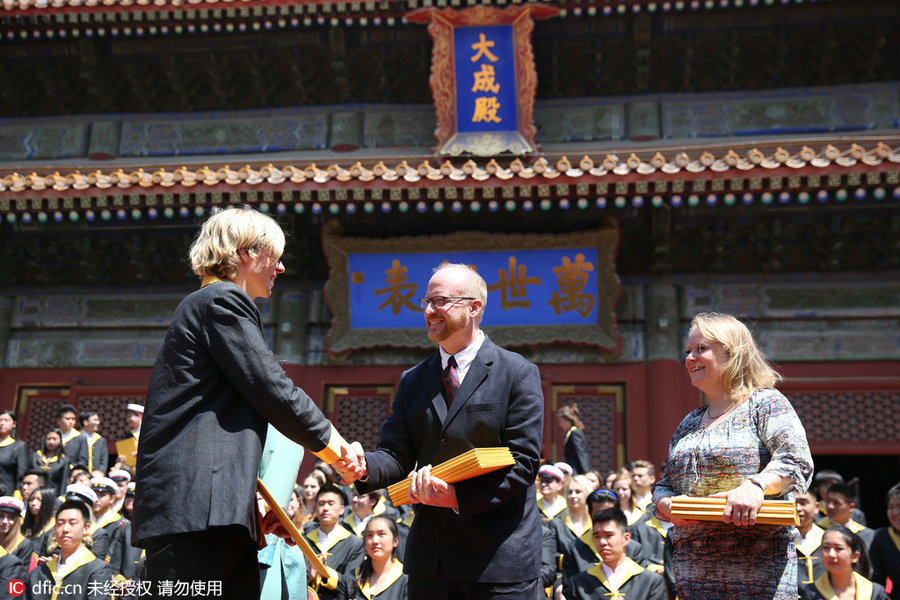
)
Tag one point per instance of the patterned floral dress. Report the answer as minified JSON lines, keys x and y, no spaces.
{"x":719,"y":561}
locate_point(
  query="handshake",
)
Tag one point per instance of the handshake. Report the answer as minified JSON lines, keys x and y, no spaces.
{"x":351,"y":466}
{"x":424,"y":488}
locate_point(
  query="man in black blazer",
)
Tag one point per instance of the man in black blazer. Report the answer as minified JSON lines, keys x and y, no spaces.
{"x":89,"y":448}
{"x":479,"y":538}
{"x":214,"y":388}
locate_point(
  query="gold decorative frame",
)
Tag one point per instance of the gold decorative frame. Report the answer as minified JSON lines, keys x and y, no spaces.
{"x":443,"y":76}
{"x":603,"y":334}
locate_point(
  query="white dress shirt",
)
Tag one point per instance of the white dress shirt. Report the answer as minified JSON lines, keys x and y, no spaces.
{"x":464,"y":357}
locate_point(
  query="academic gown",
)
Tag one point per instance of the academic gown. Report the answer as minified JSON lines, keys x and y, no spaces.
{"x":550,"y":558}
{"x":809,"y":560}
{"x":821,"y":589}
{"x":344,"y":555}
{"x":564,"y":536}
{"x":381,"y":509}
{"x":350,"y":589}
{"x":56,"y":468}
{"x":563,"y":531}
{"x":23,"y":549}
{"x":89,"y":449}
{"x":885,"y":555}
{"x":10,"y":568}
{"x":39,"y":541}
{"x":91,"y":576}
{"x":651,"y":535}
{"x":575,"y":451}
{"x":13,"y":463}
{"x":639,"y":584}
{"x":127,"y":557}
{"x":349,"y":523}
{"x":120,"y":554}
{"x":581,"y":555}
{"x":549,"y":513}
{"x":69,"y":436}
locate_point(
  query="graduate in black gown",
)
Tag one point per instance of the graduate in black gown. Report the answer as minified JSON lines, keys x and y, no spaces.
{"x":581,"y":554}
{"x":847,"y":561}
{"x":616,"y":576}
{"x":809,"y":543}
{"x":380,"y":576}
{"x":575,"y":448}
{"x":74,"y":570}
{"x":52,"y":461}
{"x":39,"y":520}
{"x":13,"y":454}
{"x":12,"y":540}
{"x":342,"y":552}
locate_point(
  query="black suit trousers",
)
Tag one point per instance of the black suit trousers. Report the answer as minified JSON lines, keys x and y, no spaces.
{"x":218,"y":554}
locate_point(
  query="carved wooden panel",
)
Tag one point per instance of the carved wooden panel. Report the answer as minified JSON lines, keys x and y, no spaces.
{"x":358,"y":411}
{"x":849,"y":416}
{"x":602,"y":409}
{"x":36,"y":407}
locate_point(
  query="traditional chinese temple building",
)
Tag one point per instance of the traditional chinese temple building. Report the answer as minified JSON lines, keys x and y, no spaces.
{"x":667,"y":158}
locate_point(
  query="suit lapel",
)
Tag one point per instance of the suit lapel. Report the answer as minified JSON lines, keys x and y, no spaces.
{"x":478,"y":372}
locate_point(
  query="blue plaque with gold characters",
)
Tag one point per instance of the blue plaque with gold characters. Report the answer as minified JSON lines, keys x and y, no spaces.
{"x":542,"y":288}
{"x":483,"y":77}
{"x":489,"y":103}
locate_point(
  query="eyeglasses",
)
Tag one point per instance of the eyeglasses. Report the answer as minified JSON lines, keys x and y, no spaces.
{"x":441,"y":301}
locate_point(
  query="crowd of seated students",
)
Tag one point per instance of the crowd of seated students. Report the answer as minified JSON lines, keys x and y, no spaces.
{"x":601,"y":536}
{"x":575,"y":567}
{"x":599,"y":543}
{"x":360,"y":537}
{"x":64,"y":508}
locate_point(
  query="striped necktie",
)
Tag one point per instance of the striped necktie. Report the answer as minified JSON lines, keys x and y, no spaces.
{"x":450,"y":378}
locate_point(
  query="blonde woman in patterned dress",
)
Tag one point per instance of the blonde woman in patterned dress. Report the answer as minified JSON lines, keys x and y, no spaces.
{"x":747,"y":444}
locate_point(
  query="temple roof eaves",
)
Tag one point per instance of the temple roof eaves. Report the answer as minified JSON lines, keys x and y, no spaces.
{"x":739,"y":161}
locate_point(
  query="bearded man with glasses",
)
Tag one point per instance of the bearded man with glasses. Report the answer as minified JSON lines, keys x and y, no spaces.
{"x":480,"y":538}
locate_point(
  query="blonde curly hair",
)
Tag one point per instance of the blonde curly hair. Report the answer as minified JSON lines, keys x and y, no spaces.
{"x":215,"y":250}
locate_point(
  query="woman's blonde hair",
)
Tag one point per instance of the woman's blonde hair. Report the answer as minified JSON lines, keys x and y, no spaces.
{"x":215,"y":250}
{"x":746,"y":367}
{"x":586,"y":485}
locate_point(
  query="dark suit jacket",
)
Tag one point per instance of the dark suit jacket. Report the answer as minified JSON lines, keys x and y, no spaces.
{"x":497,"y":535}
{"x":214,"y":388}
{"x":576,"y":452}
